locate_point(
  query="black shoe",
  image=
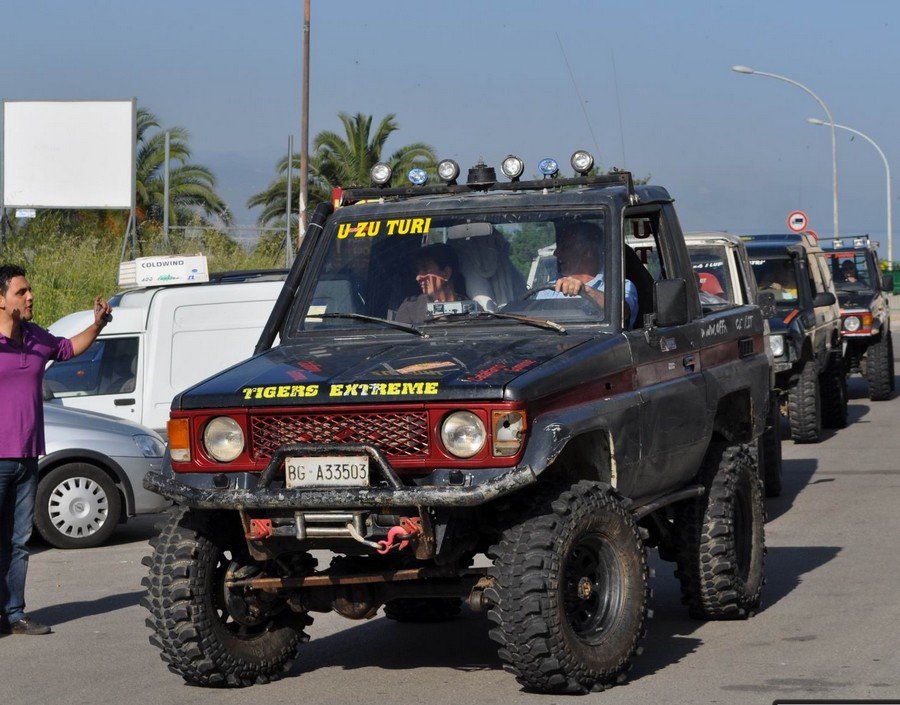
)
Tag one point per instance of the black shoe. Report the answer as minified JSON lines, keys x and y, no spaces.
{"x":4,"y":625}
{"x":28,"y":626}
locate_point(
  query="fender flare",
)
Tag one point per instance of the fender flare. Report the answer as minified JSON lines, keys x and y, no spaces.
{"x":103,"y":462}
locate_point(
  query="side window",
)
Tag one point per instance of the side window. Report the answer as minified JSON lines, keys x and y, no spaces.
{"x":825,"y":273}
{"x":647,"y":259}
{"x":815,"y":275}
{"x":107,"y":367}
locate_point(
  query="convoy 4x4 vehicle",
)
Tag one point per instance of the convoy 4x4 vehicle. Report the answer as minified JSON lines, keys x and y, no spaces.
{"x":423,"y":406}
{"x":725,"y":279}
{"x":805,"y":332}
{"x":865,"y":313}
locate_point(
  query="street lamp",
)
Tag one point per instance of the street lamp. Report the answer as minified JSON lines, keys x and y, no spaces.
{"x":834,"y":179}
{"x":887,"y":171}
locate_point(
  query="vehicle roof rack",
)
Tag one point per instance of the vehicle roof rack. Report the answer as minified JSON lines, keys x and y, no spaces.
{"x":613,"y":178}
{"x":243,"y":275}
{"x":849,"y":241}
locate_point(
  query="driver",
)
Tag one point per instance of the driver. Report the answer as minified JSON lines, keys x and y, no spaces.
{"x":580,"y":261}
{"x":848,"y":271}
{"x":438,"y":277}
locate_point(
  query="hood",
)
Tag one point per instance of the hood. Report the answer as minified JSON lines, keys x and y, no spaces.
{"x":367,"y":371}
{"x":855,"y":299}
{"x":61,"y":417}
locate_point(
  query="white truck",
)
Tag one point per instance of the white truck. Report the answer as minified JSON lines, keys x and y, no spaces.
{"x":162,"y":340}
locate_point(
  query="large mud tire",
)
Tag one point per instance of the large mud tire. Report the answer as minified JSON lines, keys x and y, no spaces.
{"x":721,"y":538}
{"x":833,"y":383}
{"x":805,"y":406}
{"x":423,"y":610}
{"x":880,"y":368}
{"x":570,"y":591}
{"x":770,"y":458}
{"x":199,"y":638}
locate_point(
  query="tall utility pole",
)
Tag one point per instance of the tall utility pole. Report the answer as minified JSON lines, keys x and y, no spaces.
{"x":304,"y":129}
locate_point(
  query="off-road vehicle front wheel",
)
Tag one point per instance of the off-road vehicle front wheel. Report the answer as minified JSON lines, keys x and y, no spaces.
{"x":833,"y":383}
{"x":721,"y":537}
{"x":805,"y":406}
{"x":880,"y":368}
{"x":570,"y":591}
{"x":208,"y":633}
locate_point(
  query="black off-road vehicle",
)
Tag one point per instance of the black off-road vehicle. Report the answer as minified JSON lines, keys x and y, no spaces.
{"x":805,"y":331}
{"x":423,"y":407}
{"x":725,"y":279}
{"x":865,"y":312}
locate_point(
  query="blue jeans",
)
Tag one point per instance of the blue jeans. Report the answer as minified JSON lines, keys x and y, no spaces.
{"x":18,"y":485}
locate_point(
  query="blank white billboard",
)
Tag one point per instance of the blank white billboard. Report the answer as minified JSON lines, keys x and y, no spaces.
{"x":68,"y":154}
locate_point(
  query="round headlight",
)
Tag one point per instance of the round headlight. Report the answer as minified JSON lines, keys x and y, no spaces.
{"x":548,"y":166}
{"x":851,"y":323}
{"x":448,"y":170}
{"x":463,"y":434}
{"x":512,"y":166}
{"x":381,"y":173}
{"x":418,"y":176}
{"x":582,"y":162}
{"x":776,"y":345}
{"x":223,"y":439}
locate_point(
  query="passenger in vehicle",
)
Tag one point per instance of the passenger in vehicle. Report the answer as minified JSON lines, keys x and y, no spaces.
{"x":438,"y":276}
{"x":779,"y":277}
{"x":581,"y":268}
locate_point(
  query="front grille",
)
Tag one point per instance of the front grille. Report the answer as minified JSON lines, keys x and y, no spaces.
{"x":396,"y":433}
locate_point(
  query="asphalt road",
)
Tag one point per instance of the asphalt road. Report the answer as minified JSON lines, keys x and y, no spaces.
{"x":828,"y":627}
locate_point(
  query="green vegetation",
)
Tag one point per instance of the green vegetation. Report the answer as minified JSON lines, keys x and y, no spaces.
{"x":340,"y":161}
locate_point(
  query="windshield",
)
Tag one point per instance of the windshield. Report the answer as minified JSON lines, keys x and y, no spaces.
{"x":435,"y":269}
{"x":849,"y":270}
{"x":777,"y":275}
{"x":711,"y":269}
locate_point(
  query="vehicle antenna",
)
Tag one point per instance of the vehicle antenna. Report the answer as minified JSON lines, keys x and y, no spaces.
{"x":619,"y":108}
{"x":578,"y":93}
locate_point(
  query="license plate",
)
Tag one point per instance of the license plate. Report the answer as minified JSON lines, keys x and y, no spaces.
{"x":327,"y":471}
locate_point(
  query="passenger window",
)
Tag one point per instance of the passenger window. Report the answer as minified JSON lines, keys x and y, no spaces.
{"x":107,"y":367}
{"x":645,"y":259}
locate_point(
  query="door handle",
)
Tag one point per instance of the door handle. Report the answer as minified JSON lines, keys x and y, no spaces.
{"x":123,"y":402}
{"x":688,"y":362}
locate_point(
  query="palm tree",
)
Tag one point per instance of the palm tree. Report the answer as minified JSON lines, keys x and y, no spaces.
{"x":340,"y":161}
{"x":191,"y":186}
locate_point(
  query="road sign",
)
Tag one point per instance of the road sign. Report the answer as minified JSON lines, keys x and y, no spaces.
{"x":797,"y":221}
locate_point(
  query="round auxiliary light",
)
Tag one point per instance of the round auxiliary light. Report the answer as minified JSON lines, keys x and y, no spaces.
{"x":582,"y":162}
{"x":852,"y":323}
{"x":418,"y":176}
{"x":548,"y":167}
{"x":463,"y":434}
{"x":223,"y":439}
{"x":448,"y":170}
{"x":513,"y":167}
{"x":381,"y":173}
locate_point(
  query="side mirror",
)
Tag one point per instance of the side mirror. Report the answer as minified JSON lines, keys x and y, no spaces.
{"x":887,"y":282}
{"x":766,"y":302}
{"x":670,"y":302}
{"x":826,"y":298}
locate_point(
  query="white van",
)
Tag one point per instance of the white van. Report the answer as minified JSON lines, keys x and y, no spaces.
{"x":162,"y":340}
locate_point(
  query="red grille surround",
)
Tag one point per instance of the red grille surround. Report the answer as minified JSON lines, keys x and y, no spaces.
{"x":397,"y":434}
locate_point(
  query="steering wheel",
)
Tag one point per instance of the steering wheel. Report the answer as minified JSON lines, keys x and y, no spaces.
{"x":552,"y":287}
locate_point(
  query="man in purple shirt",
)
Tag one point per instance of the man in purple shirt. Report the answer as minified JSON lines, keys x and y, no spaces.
{"x":25,"y":348}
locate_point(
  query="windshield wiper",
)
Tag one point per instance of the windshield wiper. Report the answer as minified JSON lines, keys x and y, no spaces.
{"x":528,"y":320}
{"x":374,"y":319}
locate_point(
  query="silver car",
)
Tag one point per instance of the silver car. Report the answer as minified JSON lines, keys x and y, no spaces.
{"x":91,"y":478}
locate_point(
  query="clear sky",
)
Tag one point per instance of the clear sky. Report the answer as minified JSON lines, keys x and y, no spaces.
{"x":483,"y":79}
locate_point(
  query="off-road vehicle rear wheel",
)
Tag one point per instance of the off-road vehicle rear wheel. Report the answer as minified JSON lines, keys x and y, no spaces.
{"x":721,"y":537}
{"x":770,"y":458}
{"x":805,"y":406}
{"x":570,"y":591}
{"x":208,"y":634}
{"x":833,"y":383}
{"x":880,"y":368}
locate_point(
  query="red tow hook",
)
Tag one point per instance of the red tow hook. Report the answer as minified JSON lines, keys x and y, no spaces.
{"x":409,"y":528}
{"x":259,"y":529}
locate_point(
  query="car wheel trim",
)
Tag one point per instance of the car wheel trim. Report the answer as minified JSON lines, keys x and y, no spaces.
{"x":78,"y":507}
